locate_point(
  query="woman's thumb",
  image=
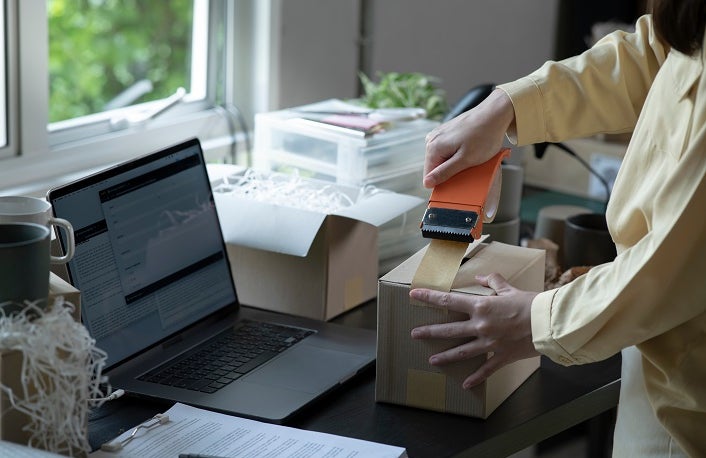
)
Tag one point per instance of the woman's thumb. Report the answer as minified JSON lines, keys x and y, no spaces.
{"x":495,"y":281}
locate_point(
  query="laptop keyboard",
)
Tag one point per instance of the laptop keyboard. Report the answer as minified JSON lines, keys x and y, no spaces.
{"x":227,"y":356}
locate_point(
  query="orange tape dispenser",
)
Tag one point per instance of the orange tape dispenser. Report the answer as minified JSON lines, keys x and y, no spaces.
{"x":457,"y":207}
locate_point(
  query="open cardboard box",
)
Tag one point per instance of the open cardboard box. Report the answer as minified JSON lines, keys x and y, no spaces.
{"x":303,"y":262}
{"x":404,"y":375}
{"x":12,"y":421}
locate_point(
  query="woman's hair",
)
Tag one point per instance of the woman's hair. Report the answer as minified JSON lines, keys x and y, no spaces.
{"x":680,"y":23}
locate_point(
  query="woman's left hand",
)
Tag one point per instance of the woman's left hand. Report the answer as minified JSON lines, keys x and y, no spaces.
{"x":499,"y":325}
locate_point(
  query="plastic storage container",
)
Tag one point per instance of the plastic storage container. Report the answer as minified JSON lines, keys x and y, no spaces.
{"x":291,"y":139}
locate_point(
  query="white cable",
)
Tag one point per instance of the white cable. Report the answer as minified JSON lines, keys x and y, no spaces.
{"x":61,"y":372}
{"x":116,"y":445}
{"x":111,"y":397}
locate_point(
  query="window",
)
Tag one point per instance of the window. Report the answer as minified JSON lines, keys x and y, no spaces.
{"x":8,"y":80}
{"x":105,"y":80}
{"x":108,"y":54}
{"x":118,"y":64}
{"x":3,"y":72}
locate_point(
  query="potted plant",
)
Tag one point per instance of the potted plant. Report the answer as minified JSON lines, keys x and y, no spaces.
{"x":411,"y":90}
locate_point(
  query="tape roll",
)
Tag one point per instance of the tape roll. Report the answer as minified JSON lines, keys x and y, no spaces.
{"x":492,"y":201}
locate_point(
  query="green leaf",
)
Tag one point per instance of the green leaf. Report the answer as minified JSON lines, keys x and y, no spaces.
{"x":395,"y":89}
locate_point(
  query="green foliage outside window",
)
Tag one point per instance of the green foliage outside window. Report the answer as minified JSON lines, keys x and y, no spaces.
{"x":99,"y":48}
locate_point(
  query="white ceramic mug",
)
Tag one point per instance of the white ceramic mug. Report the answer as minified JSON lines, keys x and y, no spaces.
{"x":22,"y":209}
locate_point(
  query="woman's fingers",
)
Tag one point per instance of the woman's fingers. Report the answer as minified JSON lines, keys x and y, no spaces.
{"x":488,"y":368}
{"x":462,"y":352}
{"x":452,"y":330}
{"x":451,"y":301}
{"x":498,"y":325}
{"x":496,"y":282}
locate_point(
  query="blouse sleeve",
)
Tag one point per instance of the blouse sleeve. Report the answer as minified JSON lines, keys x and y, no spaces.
{"x":654,"y":287}
{"x":599,"y":91}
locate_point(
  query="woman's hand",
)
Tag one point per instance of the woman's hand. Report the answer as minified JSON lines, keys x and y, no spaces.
{"x":469,"y":139}
{"x":499,"y":325}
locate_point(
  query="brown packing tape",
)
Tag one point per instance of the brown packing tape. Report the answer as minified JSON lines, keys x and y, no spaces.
{"x":439,"y":266}
{"x":426,"y":390}
{"x":437,"y":270}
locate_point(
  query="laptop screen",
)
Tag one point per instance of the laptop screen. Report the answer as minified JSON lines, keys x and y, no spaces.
{"x":150,"y":258}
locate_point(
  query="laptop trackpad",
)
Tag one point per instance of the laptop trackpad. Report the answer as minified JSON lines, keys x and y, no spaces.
{"x":307,"y":368}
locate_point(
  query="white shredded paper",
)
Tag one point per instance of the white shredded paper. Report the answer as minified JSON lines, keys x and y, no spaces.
{"x":61,"y":373}
{"x":290,"y":190}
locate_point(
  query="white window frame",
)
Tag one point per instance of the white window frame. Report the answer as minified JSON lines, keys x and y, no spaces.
{"x":44,"y":157}
{"x":3,"y":78}
{"x":10,"y":81}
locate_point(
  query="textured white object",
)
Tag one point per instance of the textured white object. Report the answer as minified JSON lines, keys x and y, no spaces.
{"x":61,"y":374}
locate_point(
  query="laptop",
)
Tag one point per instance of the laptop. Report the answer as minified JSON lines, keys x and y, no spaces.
{"x":157,"y":295}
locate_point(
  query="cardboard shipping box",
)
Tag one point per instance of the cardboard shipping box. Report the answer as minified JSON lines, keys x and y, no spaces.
{"x":404,"y":375}
{"x":303,"y":262}
{"x":58,"y":287}
{"x":13,"y":421}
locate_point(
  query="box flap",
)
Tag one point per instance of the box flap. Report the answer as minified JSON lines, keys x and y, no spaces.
{"x":404,"y":272}
{"x":288,"y":230}
{"x":219,"y":173}
{"x":58,"y":286}
{"x":380,"y":207}
{"x":266,"y":226}
{"x":507,"y":260}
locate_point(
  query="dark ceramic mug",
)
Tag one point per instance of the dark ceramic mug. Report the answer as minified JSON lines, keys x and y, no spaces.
{"x":587,"y":241}
{"x":24,"y":264}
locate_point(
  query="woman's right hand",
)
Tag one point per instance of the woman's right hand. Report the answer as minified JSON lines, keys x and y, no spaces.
{"x":469,"y":139}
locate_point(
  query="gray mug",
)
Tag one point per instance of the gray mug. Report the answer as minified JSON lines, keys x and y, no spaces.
{"x":24,"y":264}
{"x":587,"y":241}
{"x":22,"y":209}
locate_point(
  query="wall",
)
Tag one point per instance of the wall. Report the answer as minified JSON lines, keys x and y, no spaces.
{"x":314,"y":51}
{"x":462,"y":42}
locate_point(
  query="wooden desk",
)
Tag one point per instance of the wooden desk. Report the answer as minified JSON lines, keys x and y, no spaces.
{"x":552,"y":400}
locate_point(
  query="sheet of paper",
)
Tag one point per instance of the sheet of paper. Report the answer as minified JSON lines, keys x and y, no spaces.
{"x":193,"y":430}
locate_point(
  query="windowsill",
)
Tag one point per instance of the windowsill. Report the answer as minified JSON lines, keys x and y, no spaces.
{"x":35,"y":173}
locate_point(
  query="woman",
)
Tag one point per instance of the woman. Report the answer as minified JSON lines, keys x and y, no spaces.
{"x":650,"y":302}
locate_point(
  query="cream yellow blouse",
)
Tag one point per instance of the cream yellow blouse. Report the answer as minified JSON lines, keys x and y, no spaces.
{"x":653,"y":295}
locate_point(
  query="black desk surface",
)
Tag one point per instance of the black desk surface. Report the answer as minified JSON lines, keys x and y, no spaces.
{"x":553,"y":399}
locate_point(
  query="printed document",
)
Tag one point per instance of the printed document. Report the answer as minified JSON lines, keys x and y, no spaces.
{"x":193,"y":430}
